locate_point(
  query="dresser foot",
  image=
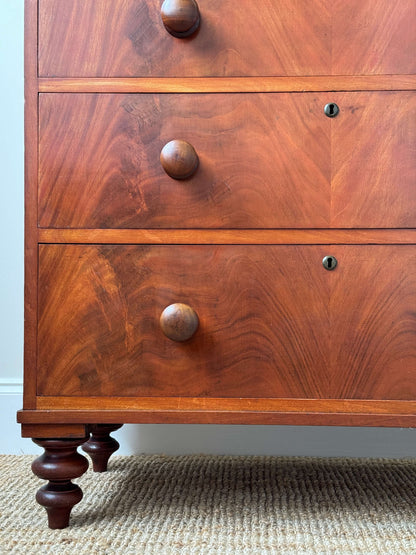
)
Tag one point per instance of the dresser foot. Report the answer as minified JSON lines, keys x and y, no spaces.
{"x":101,"y":445}
{"x":59,"y":464}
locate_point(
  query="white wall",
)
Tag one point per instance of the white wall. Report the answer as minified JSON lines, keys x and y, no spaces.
{"x":174,"y":439}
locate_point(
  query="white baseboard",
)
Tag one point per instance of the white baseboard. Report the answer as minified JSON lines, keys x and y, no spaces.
{"x":177,"y":439}
{"x":11,"y":386}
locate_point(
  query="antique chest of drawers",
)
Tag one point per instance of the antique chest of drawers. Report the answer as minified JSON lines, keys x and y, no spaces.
{"x":220,"y":220}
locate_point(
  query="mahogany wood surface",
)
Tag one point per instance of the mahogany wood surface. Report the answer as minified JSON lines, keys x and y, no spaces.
{"x":87,"y":38}
{"x":54,"y":430}
{"x":230,"y":84}
{"x":181,"y":18}
{"x":230,"y":236}
{"x":273,"y":321}
{"x":101,"y":445}
{"x":59,"y":464}
{"x":221,"y":416}
{"x":31,"y":173}
{"x":257,"y":155}
{"x":373,"y":170}
{"x":266,"y":160}
{"x":128,"y":405}
{"x":179,"y":322}
{"x":179,"y":159}
{"x":117,"y":238}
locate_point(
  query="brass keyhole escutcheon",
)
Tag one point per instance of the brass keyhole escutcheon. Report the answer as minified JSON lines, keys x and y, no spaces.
{"x":331,"y":110}
{"x":329,"y":263}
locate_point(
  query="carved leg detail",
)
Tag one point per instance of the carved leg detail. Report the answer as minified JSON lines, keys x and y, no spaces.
{"x":59,"y":464}
{"x":101,"y":445}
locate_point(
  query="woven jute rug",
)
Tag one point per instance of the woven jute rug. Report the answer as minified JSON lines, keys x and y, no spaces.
{"x":219,"y":505}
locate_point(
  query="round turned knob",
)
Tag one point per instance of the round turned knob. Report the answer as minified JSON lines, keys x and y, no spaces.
{"x":180,"y":17}
{"x":179,"y":159}
{"x":179,"y":322}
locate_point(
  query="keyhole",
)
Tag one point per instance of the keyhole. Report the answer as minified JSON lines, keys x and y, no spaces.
{"x":331,"y":110}
{"x":329,"y":263}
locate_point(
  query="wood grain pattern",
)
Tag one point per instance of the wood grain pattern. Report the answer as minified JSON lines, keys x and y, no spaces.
{"x":54,"y":430}
{"x":230,"y":236}
{"x":273,"y":322}
{"x":87,"y":38}
{"x":373,"y":170}
{"x":373,"y":36}
{"x":266,"y":160}
{"x":221,"y":416}
{"x":236,"y":404}
{"x":263,"y":161}
{"x":288,"y":342}
{"x":31,"y":173}
{"x":248,"y":341}
{"x":373,"y":322}
{"x":127,"y":38}
{"x":230,"y":84}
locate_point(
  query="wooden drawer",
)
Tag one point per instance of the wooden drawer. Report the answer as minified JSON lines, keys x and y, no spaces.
{"x":116,"y":38}
{"x":272,"y":321}
{"x":270,"y":160}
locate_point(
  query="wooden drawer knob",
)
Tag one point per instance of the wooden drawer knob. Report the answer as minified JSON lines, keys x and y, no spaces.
{"x":179,"y":322}
{"x":180,"y":17}
{"x":179,"y":159}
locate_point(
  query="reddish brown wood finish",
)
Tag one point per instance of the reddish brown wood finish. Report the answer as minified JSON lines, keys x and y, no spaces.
{"x":87,"y":38}
{"x":341,"y":415}
{"x":101,"y":445}
{"x":31,"y":173}
{"x":261,"y":164}
{"x":179,"y":322}
{"x":273,"y":322}
{"x":373,"y":170}
{"x":281,"y":341}
{"x":266,"y":160}
{"x":313,"y":83}
{"x":128,"y":405}
{"x":63,"y":431}
{"x":180,"y":17}
{"x":179,"y":159}
{"x":113,"y":341}
{"x":59,"y":464}
{"x":230,"y":236}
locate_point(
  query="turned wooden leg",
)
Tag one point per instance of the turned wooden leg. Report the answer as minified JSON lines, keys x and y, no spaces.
{"x":101,"y":445}
{"x":59,"y":464}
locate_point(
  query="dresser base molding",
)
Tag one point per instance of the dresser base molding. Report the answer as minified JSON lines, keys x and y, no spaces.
{"x":398,"y":419}
{"x":222,"y":404}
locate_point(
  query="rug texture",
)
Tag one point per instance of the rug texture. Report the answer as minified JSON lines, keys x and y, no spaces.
{"x":219,"y":505}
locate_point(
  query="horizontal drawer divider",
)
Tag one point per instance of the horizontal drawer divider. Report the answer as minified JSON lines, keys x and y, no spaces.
{"x":229,"y":236}
{"x":319,"y":83}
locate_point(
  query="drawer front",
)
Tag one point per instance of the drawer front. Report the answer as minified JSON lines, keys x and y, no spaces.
{"x":273,"y":322}
{"x":125,"y":38}
{"x":265,"y":160}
